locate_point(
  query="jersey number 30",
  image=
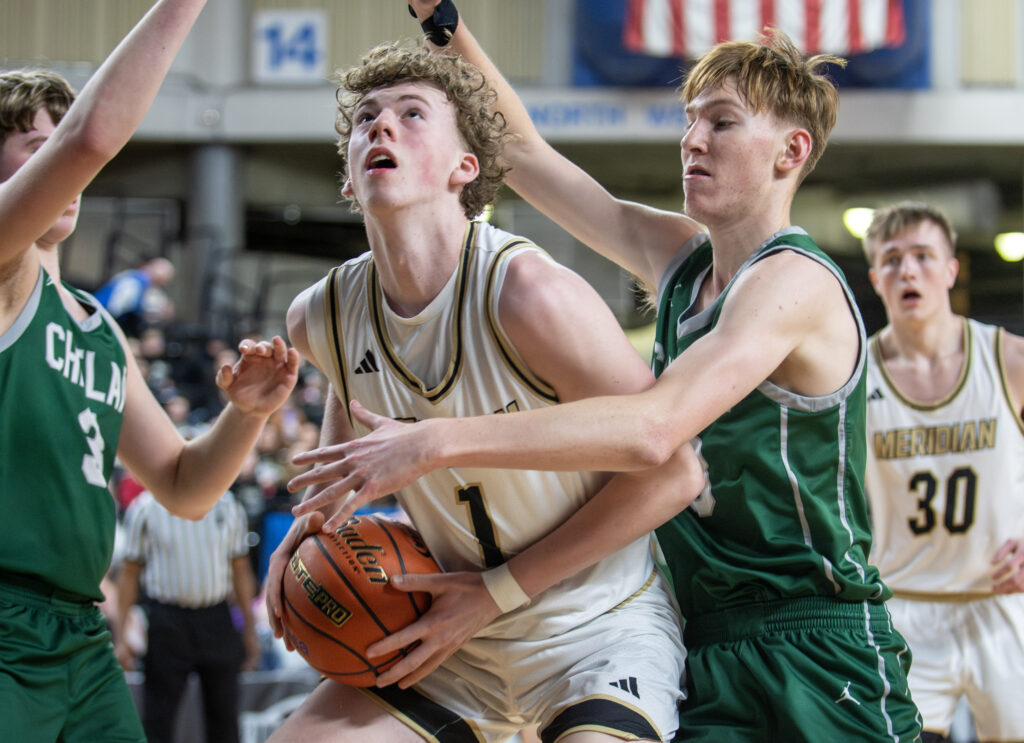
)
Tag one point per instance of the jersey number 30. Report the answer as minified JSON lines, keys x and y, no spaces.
{"x":961,"y":491}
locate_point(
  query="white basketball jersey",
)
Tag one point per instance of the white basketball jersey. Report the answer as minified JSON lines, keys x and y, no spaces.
{"x":454,"y":360}
{"x":945,"y":479}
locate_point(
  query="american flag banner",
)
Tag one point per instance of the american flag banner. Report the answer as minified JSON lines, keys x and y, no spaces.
{"x":688,"y":28}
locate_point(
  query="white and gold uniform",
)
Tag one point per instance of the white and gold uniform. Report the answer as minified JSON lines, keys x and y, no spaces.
{"x":601,"y":648}
{"x":946,"y":487}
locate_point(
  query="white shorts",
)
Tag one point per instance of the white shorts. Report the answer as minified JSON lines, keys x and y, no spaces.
{"x":620,"y":673}
{"x":972,"y":649}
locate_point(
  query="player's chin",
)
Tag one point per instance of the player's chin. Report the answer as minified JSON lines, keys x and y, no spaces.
{"x":61,"y":229}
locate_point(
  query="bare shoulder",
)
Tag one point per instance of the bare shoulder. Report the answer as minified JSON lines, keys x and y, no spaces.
{"x":1013,"y":363}
{"x":793,"y":278}
{"x":796,"y":313}
{"x":540,"y":297}
{"x":565,"y":332}
{"x":295,"y":320}
{"x":1013,"y":352}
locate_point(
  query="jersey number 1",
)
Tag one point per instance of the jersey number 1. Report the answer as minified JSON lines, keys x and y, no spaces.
{"x":483,"y":527}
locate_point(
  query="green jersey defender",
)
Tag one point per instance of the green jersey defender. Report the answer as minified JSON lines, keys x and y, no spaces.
{"x":770,"y":562}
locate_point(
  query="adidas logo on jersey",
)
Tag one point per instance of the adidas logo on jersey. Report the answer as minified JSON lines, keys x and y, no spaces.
{"x":627,"y":684}
{"x":368,"y":365}
{"x":876,"y":395}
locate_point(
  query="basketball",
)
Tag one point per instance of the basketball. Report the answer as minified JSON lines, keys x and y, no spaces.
{"x":338,"y":599}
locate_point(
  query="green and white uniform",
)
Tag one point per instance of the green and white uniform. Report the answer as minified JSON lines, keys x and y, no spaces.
{"x":775,"y":549}
{"x":62,"y":385}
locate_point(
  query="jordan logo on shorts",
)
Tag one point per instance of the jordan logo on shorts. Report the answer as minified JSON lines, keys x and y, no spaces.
{"x":846,"y":696}
{"x":628,"y":684}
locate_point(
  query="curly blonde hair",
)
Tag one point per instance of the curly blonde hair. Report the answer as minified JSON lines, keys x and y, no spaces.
{"x":772,"y":75}
{"x":483,"y":130}
{"x":23,"y":93}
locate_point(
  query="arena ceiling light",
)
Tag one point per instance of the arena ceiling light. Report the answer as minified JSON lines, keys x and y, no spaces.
{"x":1010,"y":246}
{"x":856,"y":219}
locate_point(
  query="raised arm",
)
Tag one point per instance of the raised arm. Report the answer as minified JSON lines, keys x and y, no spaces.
{"x":639,"y":238}
{"x":95,"y":128}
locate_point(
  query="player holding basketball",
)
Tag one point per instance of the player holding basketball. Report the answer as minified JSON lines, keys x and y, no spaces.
{"x":761,"y":354}
{"x":73,"y":397}
{"x":945,"y":467}
{"x":444,"y":317}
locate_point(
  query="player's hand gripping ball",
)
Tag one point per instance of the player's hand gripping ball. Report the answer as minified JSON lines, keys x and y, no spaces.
{"x":338,"y":601}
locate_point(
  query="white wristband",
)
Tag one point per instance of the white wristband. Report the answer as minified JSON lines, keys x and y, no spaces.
{"x":504,"y":588}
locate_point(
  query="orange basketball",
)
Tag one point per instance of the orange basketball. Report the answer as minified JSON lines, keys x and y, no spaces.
{"x":338,"y":600}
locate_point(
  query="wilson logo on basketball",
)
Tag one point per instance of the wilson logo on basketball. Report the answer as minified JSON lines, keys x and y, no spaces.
{"x":319,"y":597}
{"x":366,"y":554}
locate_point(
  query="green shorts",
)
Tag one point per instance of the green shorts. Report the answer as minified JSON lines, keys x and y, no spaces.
{"x":797,"y":670}
{"x":59,"y":679}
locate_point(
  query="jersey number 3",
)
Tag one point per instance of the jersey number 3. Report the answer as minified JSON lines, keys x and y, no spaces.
{"x":92,"y":463}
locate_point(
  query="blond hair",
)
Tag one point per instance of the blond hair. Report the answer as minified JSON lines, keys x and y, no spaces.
{"x":483,"y":130}
{"x":772,"y":75}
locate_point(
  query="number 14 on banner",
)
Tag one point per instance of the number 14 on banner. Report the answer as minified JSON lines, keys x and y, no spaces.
{"x":289,"y":46}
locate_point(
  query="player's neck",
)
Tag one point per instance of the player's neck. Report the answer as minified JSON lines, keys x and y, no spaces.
{"x":17,"y":280}
{"x":415,"y":257}
{"x":929,"y":344}
{"x":733,"y":242}
{"x":49,"y":259}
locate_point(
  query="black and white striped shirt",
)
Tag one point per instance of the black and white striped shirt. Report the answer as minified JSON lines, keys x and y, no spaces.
{"x":186,"y":563}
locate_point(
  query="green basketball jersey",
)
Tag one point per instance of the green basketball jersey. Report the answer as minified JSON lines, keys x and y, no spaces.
{"x":62,"y":386}
{"x":784,"y":514}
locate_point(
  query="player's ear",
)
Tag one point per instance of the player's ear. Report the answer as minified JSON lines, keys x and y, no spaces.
{"x":346,"y":188}
{"x":952,"y":270}
{"x":796,"y":150}
{"x":873,"y":278}
{"x":466,"y":169}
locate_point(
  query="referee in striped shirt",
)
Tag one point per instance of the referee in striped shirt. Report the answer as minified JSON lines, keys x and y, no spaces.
{"x":188,"y":569}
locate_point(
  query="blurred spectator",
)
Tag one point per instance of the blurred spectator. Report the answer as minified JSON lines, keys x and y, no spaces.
{"x":136,"y":297}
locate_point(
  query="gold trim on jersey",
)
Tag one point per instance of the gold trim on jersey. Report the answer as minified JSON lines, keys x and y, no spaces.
{"x":504,"y":345}
{"x":376,"y":300}
{"x":1004,"y":380}
{"x":965,"y":370}
{"x":333,"y":323}
{"x":650,"y":582}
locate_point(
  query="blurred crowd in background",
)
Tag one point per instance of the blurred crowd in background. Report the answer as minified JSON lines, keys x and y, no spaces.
{"x":180,"y":366}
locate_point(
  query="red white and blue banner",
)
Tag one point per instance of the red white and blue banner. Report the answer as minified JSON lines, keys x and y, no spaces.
{"x":688,"y":28}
